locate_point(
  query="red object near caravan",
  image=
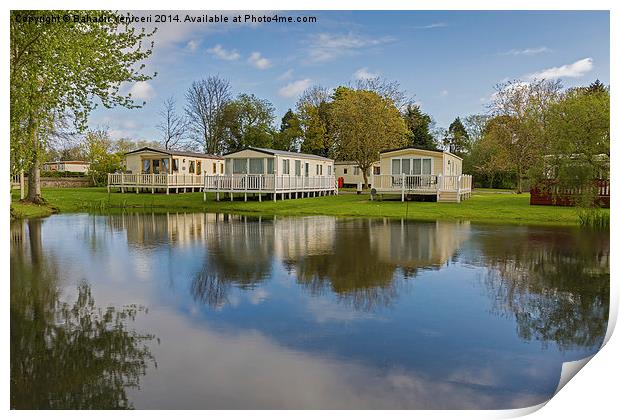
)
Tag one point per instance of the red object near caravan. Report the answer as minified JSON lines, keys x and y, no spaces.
{"x":340,"y":182}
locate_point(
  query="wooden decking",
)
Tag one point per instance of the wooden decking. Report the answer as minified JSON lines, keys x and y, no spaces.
{"x":446,"y":188}
{"x":155,"y":182}
{"x":283,"y":185}
{"x":549,"y":194}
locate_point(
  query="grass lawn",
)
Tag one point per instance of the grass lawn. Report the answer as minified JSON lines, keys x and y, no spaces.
{"x":485,"y":206}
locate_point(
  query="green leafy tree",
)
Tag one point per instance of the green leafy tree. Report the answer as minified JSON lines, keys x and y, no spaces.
{"x":313,"y":108}
{"x":99,"y":151}
{"x":578,"y":133}
{"x":290,"y":135}
{"x":62,"y":70}
{"x":419,"y":125}
{"x":363,"y":123}
{"x":248,"y":121}
{"x":457,"y":138}
{"x":518,"y":129}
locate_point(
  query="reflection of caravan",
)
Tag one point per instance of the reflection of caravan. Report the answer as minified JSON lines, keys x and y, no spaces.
{"x":418,"y":245}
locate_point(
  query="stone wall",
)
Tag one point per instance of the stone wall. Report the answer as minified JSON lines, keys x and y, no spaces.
{"x":55,"y":182}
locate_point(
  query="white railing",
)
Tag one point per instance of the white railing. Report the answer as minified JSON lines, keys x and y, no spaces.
{"x":267,"y":183}
{"x":422,"y":183}
{"x":155,"y":180}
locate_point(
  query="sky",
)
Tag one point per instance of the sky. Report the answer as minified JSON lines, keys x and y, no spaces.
{"x":448,"y":61}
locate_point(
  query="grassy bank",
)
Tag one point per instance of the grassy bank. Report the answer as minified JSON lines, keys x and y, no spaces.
{"x":485,"y":206}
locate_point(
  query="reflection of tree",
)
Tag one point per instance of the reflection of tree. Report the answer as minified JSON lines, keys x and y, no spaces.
{"x":239,"y":254}
{"x":350,"y":269}
{"x":555,"y":284}
{"x":68,"y":355}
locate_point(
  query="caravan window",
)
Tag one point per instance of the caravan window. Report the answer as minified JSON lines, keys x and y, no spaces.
{"x":426,"y":166}
{"x":286,"y":167}
{"x":256,"y":166}
{"x":270,"y":168}
{"x":396,"y":167}
{"x":298,"y":168}
{"x":240,"y":166}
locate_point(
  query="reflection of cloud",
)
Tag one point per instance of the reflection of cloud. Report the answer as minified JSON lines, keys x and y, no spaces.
{"x":324,"y":310}
{"x":247,"y":370}
{"x":257,"y":296}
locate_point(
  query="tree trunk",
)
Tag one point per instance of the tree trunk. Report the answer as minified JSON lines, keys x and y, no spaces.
{"x":34,"y":173}
{"x":519,"y":183}
{"x":365,"y":175}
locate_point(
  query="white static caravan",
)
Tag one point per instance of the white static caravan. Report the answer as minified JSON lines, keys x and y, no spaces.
{"x":410,"y":171}
{"x":79,"y":166}
{"x":154,"y":169}
{"x":258,"y":170}
{"x":351,"y":173}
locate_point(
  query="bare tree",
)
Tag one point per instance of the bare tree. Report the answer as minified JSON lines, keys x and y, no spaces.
{"x":206,"y":100}
{"x":387,"y":89}
{"x":173,"y":126}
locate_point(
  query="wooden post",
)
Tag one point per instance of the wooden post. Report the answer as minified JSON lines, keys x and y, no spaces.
{"x":152,"y":183}
{"x":260,"y":187}
{"x":402,"y":187}
{"x":122,"y":183}
{"x":22,"y":189}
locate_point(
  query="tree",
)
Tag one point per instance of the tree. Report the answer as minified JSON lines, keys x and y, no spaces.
{"x":419,"y":125}
{"x":457,"y":138}
{"x":248,"y":121}
{"x":520,"y":111}
{"x":578,"y":135}
{"x":46,"y":86}
{"x":388,"y":89}
{"x":290,"y":135}
{"x":313,"y":110}
{"x":363,"y":123}
{"x":173,"y":127}
{"x":99,"y":151}
{"x":206,"y":101}
{"x":597,"y":87}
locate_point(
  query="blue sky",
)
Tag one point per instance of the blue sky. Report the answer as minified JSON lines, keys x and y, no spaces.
{"x":448,"y":61}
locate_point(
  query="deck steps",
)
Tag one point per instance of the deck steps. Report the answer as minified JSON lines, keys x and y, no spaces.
{"x":448,"y":197}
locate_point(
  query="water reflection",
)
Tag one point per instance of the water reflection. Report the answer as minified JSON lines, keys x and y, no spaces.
{"x":312,"y":312}
{"x":67,"y":354}
{"x":555,"y":284}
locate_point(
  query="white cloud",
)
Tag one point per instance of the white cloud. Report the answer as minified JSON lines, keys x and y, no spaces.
{"x":295,"y":88}
{"x":432,"y":25}
{"x":286,"y":75}
{"x":223,"y":54}
{"x":576,"y":69}
{"x":527,"y":51}
{"x":142,"y":91}
{"x":443,"y":93}
{"x":192,"y":45}
{"x":325,"y":47}
{"x":364,"y":74}
{"x":258,"y":61}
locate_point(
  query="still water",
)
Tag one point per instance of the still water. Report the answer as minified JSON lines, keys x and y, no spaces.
{"x":218,"y":311}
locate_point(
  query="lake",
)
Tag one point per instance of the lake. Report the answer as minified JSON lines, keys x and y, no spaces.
{"x":206,"y":311}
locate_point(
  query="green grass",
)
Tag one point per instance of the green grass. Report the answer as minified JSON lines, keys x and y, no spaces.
{"x":26,"y":210}
{"x":486,"y":206}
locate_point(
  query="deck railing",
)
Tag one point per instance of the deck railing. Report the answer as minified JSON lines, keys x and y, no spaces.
{"x":155,"y":180}
{"x":225,"y":183}
{"x":267,"y":183}
{"x":422,"y":183}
